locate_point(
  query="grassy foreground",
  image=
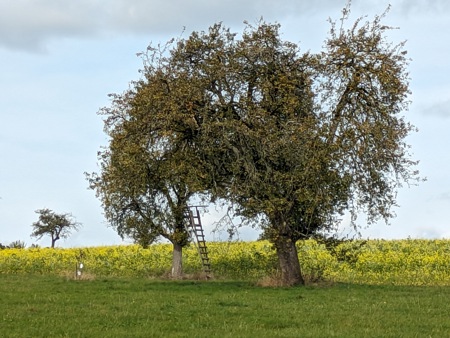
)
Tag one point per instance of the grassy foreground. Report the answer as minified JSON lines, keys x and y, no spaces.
{"x":52,"y":306}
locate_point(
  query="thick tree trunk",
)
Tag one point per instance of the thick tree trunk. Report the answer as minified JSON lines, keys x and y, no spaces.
{"x":177,"y":261}
{"x":288,"y":261}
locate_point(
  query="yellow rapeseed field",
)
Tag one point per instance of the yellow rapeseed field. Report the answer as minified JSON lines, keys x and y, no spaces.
{"x":412,"y":262}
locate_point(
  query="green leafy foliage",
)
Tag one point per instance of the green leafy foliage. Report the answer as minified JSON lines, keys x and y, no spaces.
{"x":291,"y":139}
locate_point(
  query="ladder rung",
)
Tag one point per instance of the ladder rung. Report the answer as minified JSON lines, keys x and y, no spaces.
{"x":195,"y":229}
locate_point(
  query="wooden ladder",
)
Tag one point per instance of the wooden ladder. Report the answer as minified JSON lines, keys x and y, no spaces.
{"x":195,"y":230}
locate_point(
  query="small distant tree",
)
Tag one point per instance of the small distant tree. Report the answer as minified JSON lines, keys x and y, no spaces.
{"x":17,"y":245}
{"x":55,"y":225}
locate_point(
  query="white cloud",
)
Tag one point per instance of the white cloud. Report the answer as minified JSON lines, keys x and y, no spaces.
{"x":30,"y":24}
{"x":419,"y":6}
{"x":27,"y":24}
{"x":439,"y":109}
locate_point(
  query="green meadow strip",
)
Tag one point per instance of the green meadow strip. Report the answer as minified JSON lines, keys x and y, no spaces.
{"x":52,"y":306}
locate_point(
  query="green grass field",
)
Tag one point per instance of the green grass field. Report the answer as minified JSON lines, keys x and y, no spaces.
{"x":52,"y":306}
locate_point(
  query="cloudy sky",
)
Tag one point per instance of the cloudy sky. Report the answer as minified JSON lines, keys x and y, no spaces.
{"x":59,"y":60}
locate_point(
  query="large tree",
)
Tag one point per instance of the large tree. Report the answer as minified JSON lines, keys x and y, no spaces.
{"x":55,"y":225}
{"x":146,"y":180}
{"x":291,"y":139}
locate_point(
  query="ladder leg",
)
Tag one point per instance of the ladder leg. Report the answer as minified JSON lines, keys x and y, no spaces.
{"x":195,"y":230}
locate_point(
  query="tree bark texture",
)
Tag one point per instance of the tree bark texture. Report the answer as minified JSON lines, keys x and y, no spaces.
{"x":288,"y":261}
{"x":177,"y":261}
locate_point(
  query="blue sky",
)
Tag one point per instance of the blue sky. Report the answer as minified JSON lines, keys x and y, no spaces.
{"x":60,"y":59}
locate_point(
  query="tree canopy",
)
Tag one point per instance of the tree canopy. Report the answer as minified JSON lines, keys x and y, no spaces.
{"x":55,"y":225}
{"x":290,"y":138}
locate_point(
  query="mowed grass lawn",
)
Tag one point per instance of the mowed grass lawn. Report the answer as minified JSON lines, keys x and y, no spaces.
{"x":50,"y":306}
